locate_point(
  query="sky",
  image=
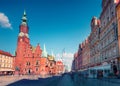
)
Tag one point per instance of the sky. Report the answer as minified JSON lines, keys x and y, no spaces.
{"x":59,"y":24}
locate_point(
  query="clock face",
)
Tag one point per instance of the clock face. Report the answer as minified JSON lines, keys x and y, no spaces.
{"x":21,"y":34}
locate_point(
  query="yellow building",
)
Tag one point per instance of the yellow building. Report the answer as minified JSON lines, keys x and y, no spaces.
{"x":6,"y":63}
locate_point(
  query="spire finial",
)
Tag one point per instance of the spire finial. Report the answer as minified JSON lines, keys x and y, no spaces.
{"x":44,"y":53}
{"x":24,"y":12}
{"x":24,"y":19}
{"x":44,"y":48}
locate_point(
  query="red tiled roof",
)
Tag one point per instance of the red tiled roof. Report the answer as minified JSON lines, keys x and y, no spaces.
{"x":5,"y":53}
{"x":59,"y":62}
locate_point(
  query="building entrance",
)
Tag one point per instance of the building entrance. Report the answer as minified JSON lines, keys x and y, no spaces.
{"x":29,"y":71}
{"x":115,"y":69}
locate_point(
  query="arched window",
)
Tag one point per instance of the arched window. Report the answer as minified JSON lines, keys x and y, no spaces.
{"x":28,"y":63}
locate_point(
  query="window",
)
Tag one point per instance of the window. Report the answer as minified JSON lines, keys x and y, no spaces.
{"x":114,"y":50}
{"x":37,"y":62}
{"x":107,"y":19}
{"x":104,"y":24}
{"x":112,"y":14}
{"x":28,"y":63}
{"x":36,"y":69}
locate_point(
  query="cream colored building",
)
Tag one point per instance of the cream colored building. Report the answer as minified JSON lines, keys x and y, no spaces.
{"x":6,"y":63}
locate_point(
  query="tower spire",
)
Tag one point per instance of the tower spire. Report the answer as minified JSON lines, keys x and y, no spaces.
{"x":53,"y":57}
{"x":44,"y":48}
{"x":24,"y":12}
{"x":44,"y":53}
{"x":24,"y":19}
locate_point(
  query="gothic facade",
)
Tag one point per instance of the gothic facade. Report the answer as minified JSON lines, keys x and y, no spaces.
{"x":29,"y":59}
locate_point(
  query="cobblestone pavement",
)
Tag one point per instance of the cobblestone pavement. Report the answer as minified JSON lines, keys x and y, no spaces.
{"x":64,"y":80}
{"x":5,"y":80}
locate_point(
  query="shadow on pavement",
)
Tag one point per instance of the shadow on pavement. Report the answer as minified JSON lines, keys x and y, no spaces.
{"x":51,"y":81}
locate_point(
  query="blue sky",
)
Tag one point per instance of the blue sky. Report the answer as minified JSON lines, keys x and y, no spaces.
{"x":57,"y":23}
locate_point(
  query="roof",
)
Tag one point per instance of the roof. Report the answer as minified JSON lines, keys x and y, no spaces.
{"x":5,"y":53}
{"x":59,"y":62}
{"x":33,"y":49}
{"x":50,"y":57}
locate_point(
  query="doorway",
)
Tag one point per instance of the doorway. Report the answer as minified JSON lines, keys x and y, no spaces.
{"x":29,"y":71}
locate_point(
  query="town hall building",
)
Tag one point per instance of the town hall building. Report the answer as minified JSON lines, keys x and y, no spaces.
{"x":32,"y":60}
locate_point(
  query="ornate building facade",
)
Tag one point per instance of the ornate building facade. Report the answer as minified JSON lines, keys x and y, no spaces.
{"x":104,"y":39}
{"x":86,"y":54}
{"x":76,"y":61}
{"x":81,"y":59}
{"x":29,"y":59}
{"x":108,"y":35}
{"x":118,"y":29}
{"x":94,"y":41}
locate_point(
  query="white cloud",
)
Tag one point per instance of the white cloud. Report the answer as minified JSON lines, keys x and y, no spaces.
{"x":58,"y":55}
{"x":4,"y":21}
{"x":66,"y":55}
{"x":69,"y":55}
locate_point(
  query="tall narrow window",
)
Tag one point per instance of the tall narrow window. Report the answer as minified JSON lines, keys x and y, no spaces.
{"x":36,"y":69}
{"x":107,"y":19}
{"x":37,"y":63}
{"x":28,"y":63}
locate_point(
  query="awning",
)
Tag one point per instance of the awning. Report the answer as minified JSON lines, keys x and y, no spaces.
{"x":7,"y":70}
{"x":102,"y":67}
{"x":82,"y":70}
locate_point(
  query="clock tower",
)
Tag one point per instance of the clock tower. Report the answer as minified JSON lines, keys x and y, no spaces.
{"x":23,"y":37}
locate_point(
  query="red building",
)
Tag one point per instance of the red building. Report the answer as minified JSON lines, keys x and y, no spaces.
{"x":29,"y":59}
{"x":59,"y":67}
